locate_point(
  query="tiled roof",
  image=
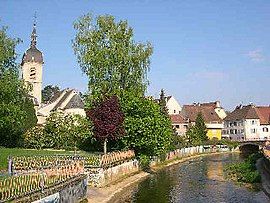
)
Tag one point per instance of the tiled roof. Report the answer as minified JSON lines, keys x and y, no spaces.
{"x":208,"y":112}
{"x":243,"y":112}
{"x":264,"y":114}
{"x":177,"y":118}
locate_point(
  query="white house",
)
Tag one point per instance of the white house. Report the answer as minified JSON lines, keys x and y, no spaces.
{"x":248,"y":123}
{"x":172,"y":105}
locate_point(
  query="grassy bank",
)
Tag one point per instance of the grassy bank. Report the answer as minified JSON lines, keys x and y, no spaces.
{"x":5,"y":152}
{"x":245,"y":171}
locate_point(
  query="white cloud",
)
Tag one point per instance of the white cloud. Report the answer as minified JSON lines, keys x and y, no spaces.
{"x":256,"y":55}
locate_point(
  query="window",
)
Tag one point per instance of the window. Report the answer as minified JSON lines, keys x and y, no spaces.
{"x":253,"y":130}
{"x":174,"y":111}
{"x":265,"y":129}
{"x":235,"y":123}
{"x":235,"y":132}
{"x":33,"y":73}
{"x":231,"y":124}
{"x":253,"y":122}
{"x":177,"y":126}
{"x":231,"y":131}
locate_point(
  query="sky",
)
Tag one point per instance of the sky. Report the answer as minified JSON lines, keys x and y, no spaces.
{"x":203,"y":50}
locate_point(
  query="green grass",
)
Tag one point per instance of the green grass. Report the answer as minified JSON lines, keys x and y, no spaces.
{"x":5,"y":152}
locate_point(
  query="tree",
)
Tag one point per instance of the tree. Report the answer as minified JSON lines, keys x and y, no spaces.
{"x":109,"y":56}
{"x":17,"y":113}
{"x":107,"y":119}
{"x":148,"y":131}
{"x":162,"y":102}
{"x":197,"y":134}
{"x":48,"y":92}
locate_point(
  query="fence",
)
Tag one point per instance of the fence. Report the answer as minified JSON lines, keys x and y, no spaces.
{"x":14,"y":187}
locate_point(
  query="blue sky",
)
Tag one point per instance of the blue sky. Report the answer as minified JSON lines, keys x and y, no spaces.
{"x":203,"y":50}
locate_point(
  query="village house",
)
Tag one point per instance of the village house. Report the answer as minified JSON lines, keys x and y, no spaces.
{"x":172,"y":105}
{"x":213,"y":115}
{"x":66,"y":101}
{"x":248,"y":123}
{"x":180,"y":124}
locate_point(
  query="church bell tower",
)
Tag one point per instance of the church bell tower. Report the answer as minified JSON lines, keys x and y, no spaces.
{"x":32,"y":63}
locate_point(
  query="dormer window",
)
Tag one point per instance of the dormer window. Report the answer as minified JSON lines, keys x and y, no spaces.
{"x":33,"y":73}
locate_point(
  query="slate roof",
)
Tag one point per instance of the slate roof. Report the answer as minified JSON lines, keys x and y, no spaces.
{"x":75,"y":102}
{"x":208,"y":112}
{"x":243,"y":112}
{"x":32,"y":54}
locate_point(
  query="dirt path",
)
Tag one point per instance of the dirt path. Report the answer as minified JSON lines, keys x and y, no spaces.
{"x":102,"y":195}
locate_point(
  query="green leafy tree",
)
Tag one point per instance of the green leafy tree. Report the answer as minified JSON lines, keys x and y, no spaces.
{"x":197,"y":134}
{"x":109,"y":56}
{"x":148,"y":131}
{"x":17,"y":113}
{"x":48,"y":92}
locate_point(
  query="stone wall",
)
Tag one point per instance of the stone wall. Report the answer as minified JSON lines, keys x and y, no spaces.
{"x":99,"y":177}
{"x":69,"y":192}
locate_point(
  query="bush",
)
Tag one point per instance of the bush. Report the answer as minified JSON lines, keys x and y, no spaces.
{"x":60,"y":132}
{"x":245,"y":171}
{"x":144,"y":162}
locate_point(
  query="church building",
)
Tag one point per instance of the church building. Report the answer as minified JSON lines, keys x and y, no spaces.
{"x":67,"y":101}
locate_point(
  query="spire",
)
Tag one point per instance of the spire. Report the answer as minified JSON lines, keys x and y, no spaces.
{"x":34,"y":32}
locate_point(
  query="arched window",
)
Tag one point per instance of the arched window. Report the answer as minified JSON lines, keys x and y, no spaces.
{"x":33,"y":73}
{"x":265,"y":129}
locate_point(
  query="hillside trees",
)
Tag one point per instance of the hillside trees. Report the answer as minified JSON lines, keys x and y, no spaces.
{"x":17,"y":112}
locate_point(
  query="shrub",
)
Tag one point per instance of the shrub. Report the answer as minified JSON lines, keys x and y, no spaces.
{"x":60,"y":132}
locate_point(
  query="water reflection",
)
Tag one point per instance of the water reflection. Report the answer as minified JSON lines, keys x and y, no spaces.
{"x":200,"y":180}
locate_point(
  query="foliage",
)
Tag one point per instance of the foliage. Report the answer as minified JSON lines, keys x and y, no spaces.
{"x":148,"y":130}
{"x":17,"y":113}
{"x":7,"y":52}
{"x":162,"y":102}
{"x":245,"y":171}
{"x":197,"y":133}
{"x":109,"y":56}
{"x":48,"y":92}
{"x":144,"y":162}
{"x":60,"y":132}
{"x":107,"y":119}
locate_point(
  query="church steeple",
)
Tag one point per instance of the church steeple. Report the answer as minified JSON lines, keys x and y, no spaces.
{"x":34,"y":36}
{"x":32,"y":62}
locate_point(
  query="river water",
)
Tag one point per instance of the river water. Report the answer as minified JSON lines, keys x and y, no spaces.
{"x":199,"y":180}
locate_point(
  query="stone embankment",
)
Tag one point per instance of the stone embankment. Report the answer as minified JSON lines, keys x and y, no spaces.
{"x":115,"y":188}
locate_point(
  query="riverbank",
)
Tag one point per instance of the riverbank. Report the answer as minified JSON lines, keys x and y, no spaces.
{"x":114,"y":190}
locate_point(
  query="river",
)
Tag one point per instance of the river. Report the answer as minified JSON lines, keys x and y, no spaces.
{"x":198,"y":180}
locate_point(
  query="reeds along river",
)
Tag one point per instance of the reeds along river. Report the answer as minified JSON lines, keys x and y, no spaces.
{"x":199,"y":180}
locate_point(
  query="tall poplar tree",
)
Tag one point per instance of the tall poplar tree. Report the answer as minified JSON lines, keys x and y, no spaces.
{"x":109,"y":56}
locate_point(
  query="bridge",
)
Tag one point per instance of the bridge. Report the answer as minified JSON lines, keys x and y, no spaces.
{"x":252,"y":145}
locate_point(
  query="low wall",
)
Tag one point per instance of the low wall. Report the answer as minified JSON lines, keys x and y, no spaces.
{"x":189,"y":151}
{"x":99,"y":177}
{"x":70,"y":192}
